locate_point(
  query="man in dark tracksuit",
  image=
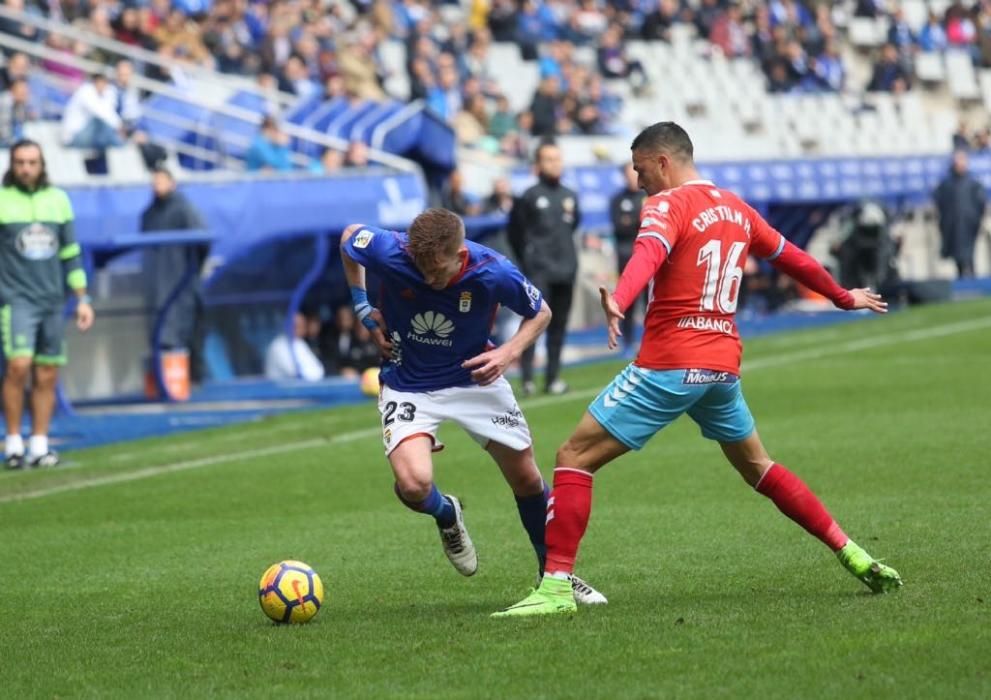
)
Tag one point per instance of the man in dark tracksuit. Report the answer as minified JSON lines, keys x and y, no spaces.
{"x":39,"y":258}
{"x":165,"y":266}
{"x":624,"y":213}
{"x":960,"y":204}
{"x":541,"y":232}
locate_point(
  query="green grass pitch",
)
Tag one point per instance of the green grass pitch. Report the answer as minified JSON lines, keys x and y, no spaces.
{"x":132,"y":572}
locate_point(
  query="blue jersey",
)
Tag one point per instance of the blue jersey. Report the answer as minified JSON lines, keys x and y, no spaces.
{"x":434,"y":331}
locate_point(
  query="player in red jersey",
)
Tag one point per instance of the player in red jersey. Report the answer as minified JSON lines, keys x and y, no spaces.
{"x":693,"y":242}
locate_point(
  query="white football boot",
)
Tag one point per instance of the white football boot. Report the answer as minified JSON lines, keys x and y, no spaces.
{"x":457,"y":544}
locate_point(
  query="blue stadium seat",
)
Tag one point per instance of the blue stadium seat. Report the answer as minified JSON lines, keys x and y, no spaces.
{"x":342,"y":124}
{"x":303,"y":109}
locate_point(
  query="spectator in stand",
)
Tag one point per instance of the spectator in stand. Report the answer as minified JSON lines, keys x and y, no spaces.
{"x":454,"y":198}
{"x":502,"y":21}
{"x":296,"y":78}
{"x":183,"y":37}
{"x":471,"y":124}
{"x":706,"y":17}
{"x":128,"y":29}
{"x":16,"y":110}
{"x":932,"y":38}
{"x":961,"y":138}
{"x":501,"y":199}
{"x":657,"y":24}
{"x":982,"y":141}
{"x":18,"y":68}
{"x":19,"y":30}
{"x":828,"y":68}
{"x":270,"y":149}
{"x":901,"y":36}
{"x":331,"y":161}
{"x":357,"y":155}
{"x":90,"y":119}
{"x":284,"y":355}
{"x":613,"y":62}
{"x":357,"y":66}
{"x":889,"y":73}
{"x":502,"y":120}
{"x":870,"y":8}
{"x":729,"y":34}
{"x":347,"y":348}
{"x":544,"y":107}
{"x":960,"y":29}
{"x":445,"y":99}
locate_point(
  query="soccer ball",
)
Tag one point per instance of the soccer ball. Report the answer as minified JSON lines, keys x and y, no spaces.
{"x":370,"y":382}
{"x":290,"y":591}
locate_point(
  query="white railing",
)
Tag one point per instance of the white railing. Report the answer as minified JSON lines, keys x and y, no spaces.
{"x":40,"y":51}
{"x":140,"y":55}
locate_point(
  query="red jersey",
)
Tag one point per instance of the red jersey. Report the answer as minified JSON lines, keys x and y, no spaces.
{"x":699,"y":237}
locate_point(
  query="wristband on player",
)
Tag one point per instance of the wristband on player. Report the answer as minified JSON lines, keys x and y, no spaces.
{"x":363,"y":309}
{"x":84,"y":299}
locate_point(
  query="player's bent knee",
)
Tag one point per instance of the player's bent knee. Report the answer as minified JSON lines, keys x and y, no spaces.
{"x":413,"y":489}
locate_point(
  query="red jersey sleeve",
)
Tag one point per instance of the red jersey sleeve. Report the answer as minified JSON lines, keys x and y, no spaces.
{"x":765,"y":241}
{"x":659,"y":220}
{"x":656,"y":237}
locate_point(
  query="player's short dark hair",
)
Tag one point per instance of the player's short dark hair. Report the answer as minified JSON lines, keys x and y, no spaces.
{"x":8,"y":177}
{"x":435,"y":232}
{"x":667,"y":137}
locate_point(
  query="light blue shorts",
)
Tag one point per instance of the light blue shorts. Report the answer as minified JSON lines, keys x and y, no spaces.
{"x":639,"y":402}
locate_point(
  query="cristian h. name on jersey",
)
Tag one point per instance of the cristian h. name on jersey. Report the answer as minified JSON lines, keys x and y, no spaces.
{"x":434,"y":331}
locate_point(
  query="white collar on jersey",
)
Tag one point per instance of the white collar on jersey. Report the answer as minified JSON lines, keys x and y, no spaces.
{"x":707,"y":183}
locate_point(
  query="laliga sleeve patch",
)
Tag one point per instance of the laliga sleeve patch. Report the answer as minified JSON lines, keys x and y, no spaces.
{"x":363,"y":238}
{"x":532,"y":293}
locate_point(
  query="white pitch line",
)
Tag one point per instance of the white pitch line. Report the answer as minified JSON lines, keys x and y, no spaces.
{"x":762,"y":363}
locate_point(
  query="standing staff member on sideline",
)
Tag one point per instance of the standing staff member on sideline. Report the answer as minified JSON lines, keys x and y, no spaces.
{"x":39,"y":256}
{"x":541,"y":232}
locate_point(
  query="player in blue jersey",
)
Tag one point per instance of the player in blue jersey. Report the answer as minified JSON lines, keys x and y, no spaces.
{"x":439,"y":296}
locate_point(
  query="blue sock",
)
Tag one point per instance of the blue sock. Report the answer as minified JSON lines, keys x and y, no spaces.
{"x":435,"y":504}
{"x":533,"y":515}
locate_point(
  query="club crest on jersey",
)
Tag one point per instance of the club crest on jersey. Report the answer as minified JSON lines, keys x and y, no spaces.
{"x":37,"y":242}
{"x":464,"y":302}
{"x":568,"y":204}
{"x":408,"y":294}
{"x":363,"y":238}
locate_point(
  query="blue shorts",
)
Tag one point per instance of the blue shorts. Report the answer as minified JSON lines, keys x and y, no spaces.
{"x":639,"y":402}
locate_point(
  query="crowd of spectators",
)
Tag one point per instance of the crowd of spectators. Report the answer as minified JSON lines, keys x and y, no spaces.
{"x":334,"y":48}
{"x":336,"y":346}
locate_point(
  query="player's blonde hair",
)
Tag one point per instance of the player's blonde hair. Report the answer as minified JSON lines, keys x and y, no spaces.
{"x":435,"y":233}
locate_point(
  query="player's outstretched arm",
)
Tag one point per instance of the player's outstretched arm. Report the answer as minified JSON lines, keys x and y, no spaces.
{"x":370,"y":317}
{"x":613,"y":316}
{"x":803,"y":268}
{"x":490,"y":365}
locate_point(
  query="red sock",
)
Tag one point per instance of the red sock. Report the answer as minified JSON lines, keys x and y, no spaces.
{"x":568,"y":509}
{"x":796,"y":500}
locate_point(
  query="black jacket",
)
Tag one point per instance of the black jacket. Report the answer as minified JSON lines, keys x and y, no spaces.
{"x":624,"y":213}
{"x":165,"y":265}
{"x":960,"y":203}
{"x":541,"y":232}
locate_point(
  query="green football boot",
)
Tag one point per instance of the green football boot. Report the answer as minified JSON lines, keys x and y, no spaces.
{"x":875,"y":575}
{"x":553,"y":597}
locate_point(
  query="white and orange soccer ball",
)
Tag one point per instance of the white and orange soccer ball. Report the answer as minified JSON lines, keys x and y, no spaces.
{"x":290,"y":592}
